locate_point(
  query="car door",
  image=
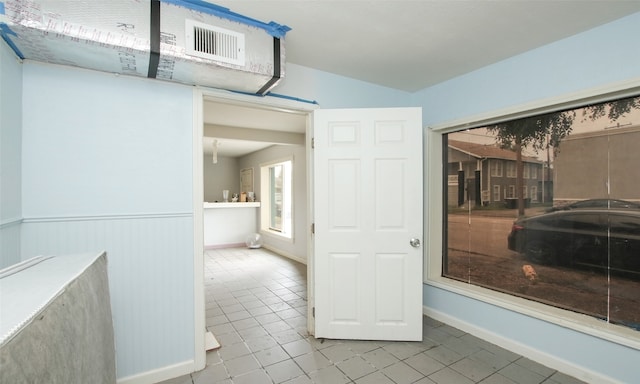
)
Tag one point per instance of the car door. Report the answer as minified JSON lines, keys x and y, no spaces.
{"x":625,"y":242}
{"x":588,"y":234}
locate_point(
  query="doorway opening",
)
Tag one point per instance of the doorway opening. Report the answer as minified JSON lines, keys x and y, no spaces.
{"x":248,"y":130}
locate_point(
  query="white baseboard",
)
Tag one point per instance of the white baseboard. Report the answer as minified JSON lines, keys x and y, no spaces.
{"x":160,"y":374}
{"x":223,"y":246}
{"x":285,"y":254}
{"x":566,"y":367}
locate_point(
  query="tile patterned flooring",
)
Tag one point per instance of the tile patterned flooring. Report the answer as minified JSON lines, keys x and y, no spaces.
{"x":256,"y":307}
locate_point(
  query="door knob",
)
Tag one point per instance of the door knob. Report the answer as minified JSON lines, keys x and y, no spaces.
{"x":415,"y":243}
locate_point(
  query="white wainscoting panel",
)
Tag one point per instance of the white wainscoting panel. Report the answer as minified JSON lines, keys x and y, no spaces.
{"x":9,"y":243}
{"x":150,"y":259}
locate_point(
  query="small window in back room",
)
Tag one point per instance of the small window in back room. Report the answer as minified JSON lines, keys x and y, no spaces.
{"x":277,"y":209}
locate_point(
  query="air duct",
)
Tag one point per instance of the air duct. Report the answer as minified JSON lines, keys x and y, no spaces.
{"x":187,"y":41}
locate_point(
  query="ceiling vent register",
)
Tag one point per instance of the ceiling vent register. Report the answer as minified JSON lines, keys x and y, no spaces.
{"x":211,"y":42}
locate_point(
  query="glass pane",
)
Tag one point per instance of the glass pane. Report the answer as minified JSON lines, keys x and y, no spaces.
{"x":275,"y":177}
{"x":548,"y":208}
{"x":624,"y":225}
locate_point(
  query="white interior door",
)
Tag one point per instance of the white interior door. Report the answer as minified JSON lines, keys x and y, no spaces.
{"x":368,"y":224}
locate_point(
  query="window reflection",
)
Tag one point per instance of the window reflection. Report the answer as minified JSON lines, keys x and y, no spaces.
{"x":559,"y":193}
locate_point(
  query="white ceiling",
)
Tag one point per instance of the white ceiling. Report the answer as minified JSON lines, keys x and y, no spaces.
{"x":411,"y":45}
{"x":230,"y":115}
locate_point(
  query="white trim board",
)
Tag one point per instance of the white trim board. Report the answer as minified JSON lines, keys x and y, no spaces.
{"x":567,"y":101}
{"x":285,"y":254}
{"x":541,"y":357}
{"x":160,"y":374}
{"x":199,"y":327}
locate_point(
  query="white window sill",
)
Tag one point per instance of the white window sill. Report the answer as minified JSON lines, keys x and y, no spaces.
{"x":572,"y":320}
{"x":276,"y":235}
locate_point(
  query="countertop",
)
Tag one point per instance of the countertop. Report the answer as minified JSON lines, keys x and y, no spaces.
{"x":232,"y":205}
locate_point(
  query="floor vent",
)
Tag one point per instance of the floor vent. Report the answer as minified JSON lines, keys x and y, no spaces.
{"x":214,"y":43}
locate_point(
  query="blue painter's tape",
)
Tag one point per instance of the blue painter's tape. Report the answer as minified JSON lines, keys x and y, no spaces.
{"x":6,"y":34}
{"x":271,"y":94}
{"x":1,"y":8}
{"x":6,"y":30}
{"x":292,"y":98}
{"x":272,"y":28}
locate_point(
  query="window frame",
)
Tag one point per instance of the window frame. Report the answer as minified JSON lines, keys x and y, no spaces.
{"x":434,"y":198}
{"x":534,"y":193}
{"x":266,"y":204}
{"x":273,"y":196}
{"x":511,"y":169}
{"x":496,"y":167}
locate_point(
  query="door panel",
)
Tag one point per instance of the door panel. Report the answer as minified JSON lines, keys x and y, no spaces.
{"x":345,"y":270}
{"x":391,"y":274}
{"x":344,"y":183}
{"x":367,"y":208}
{"x":390,"y":179}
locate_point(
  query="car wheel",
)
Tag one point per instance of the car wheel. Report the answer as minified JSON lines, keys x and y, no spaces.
{"x":540,"y":253}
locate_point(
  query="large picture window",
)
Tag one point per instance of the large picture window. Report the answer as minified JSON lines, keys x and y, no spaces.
{"x":567,"y":233}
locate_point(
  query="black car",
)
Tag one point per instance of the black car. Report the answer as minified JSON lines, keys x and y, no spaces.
{"x":594,"y":238}
{"x":597,"y":203}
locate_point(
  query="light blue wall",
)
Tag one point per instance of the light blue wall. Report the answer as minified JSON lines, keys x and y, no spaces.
{"x":84,"y":130}
{"x":107,"y":165}
{"x":10,"y":156}
{"x":333,"y":91}
{"x":606,"y":55}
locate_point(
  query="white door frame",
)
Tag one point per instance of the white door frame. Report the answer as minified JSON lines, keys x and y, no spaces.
{"x":199,"y":94}
{"x":199,"y":327}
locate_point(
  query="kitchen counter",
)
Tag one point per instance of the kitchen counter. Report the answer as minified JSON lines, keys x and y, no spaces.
{"x":232,"y":205}
{"x":229,"y":224}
